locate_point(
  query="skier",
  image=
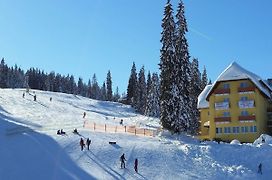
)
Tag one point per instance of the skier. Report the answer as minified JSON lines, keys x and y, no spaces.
{"x":81,"y":144}
{"x":84,"y":114}
{"x":136,"y":165}
{"x":260,"y":168}
{"x":23,"y":95}
{"x":123,"y":159}
{"x":88,"y":142}
{"x":58,"y":132}
{"x":62,"y":132}
{"x":35,"y":97}
{"x":50,"y":99}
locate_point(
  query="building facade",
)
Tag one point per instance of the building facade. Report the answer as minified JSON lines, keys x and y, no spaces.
{"x":237,"y":105}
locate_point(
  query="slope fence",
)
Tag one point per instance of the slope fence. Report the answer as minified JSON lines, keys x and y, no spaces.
{"x":120,"y":129}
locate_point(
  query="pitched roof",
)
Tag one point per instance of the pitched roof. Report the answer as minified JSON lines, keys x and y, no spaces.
{"x":201,"y":100}
{"x":235,"y":72}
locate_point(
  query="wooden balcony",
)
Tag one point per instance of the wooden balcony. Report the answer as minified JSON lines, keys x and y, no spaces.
{"x":222,"y":91}
{"x":246,"y":89}
{"x":222,"y":119}
{"x":247,"y":118}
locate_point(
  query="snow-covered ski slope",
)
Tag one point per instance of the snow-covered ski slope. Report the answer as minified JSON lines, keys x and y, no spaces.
{"x":30,"y":148}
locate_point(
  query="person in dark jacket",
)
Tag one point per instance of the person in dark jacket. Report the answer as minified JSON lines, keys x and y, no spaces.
{"x":260,"y":168}
{"x":81,"y":143}
{"x":123,"y":159}
{"x":88,"y":142}
{"x":136,"y":165}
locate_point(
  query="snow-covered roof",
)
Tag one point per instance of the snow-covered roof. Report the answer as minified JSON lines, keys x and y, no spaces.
{"x":201,"y":100}
{"x":235,"y":72}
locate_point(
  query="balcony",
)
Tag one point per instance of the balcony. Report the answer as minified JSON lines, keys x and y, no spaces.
{"x":221,"y":105}
{"x":222,"y":119}
{"x":247,"y":118}
{"x":246,"y":89}
{"x":222,"y":91}
{"x":246,"y":104}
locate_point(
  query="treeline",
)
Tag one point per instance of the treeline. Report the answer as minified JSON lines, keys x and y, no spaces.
{"x":34,"y":78}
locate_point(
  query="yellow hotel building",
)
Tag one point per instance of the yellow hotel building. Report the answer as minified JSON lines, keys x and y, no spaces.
{"x":238,"y":105}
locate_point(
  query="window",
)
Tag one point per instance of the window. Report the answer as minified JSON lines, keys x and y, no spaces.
{"x":218,"y":130}
{"x":226,"y":114}
{"x":244,"y":129}
{"x":243,"y":84}
{"x":226,"y":86}
{"x":244,"y":98}
{"x":244,"y":113}
{"x":253,"y":129}
{"x":227,"y":130}
{"x":235,"y":130}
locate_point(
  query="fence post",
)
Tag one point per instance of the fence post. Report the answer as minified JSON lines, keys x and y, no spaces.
{"x":135,"y":131}
{"x":115,"y":129}
{"x":125,"y":128}
{"x":144,"y":132}
{"x":105,"y":127}
{"x":94,"y":126}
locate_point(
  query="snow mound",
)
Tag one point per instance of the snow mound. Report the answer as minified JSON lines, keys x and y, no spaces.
{"x":263,"y":139}
{"x":235,"y":141}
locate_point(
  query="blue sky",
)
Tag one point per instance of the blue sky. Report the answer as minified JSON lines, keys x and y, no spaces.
{"x":93,"y":36}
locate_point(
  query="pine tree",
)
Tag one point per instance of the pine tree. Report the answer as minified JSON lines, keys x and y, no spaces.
{"x":80,"y":86}
{"x":153,"y":97}
{"x":182,"y":73}
{"x":116,"y":95}
{"x":3,"y":74}
{"x":141,"y":95}
{"x":104,"y":92}
{"x":204,"y":79}
{"x":167,"y":64}
{"x":95,"y":92}
{"x":195,"y":91}
{"x":132,"y":87}
{"x":109,"y":87}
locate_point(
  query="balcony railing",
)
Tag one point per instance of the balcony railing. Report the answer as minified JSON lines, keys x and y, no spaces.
{"x":222,"y":91}
{"x":221,"y":105}
{"x":247,"y":118}
{"x":246,"y":104}
{"x":246,"y":89}
{"x":222,"y":119}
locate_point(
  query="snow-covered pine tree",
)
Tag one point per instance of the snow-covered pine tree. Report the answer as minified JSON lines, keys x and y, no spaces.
{"x":148,"y":82}
{"x":141,"y":100}
{"x":167,"y":64}
{"x":132,"y":87}
{"x":153,"y":97}
{"x":109,"y":86}
{"x":204,"y":78}
{"x":195,"y":91}
{"x":182,"y":70}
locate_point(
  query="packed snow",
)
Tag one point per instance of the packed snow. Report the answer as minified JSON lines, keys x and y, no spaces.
{"x":31,"y":149}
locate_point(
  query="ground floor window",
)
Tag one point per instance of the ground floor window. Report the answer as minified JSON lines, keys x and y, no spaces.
{"x":219,"y":130}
